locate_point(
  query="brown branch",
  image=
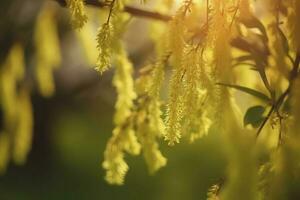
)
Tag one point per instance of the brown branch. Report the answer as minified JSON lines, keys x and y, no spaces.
{"x":276,"y":106}
{"x":129,"y":9}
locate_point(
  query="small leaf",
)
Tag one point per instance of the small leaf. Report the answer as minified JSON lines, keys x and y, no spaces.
{"x":244,"y":58}
{"x":253,"y":22}
{"x":284,"y":41}
{"x":249,"y":91}
{"x":254,"y":116}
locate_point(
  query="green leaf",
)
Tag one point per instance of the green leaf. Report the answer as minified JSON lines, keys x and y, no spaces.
{"x":284,"y":41}
{"x":254,"y":22}
{"x":244,"y":58}
{"x":254,"y":116}
{"x":249,"y":91}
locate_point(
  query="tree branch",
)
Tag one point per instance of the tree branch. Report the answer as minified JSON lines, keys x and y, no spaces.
{"x":129,"y":9}
{"x":276,"y":106}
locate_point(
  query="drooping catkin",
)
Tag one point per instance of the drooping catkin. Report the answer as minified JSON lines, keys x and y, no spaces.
{"x":12,"y":72}
{"x":104,"y":46}
{"x":109,"y":35}
{"x":123,"y":82}
{"x":195,"y":121}
{"x":221,"y":69}
{"x":124,"y":138}
{"x":16,"y":136}
{"x":23,"y":134}
{"x":177,"y":29}
{"x":155,"y":113}
{"x":175,"y":102}
{"x":148,"y":133}
{"x":150,"y":126}
{"x":77,"y":12}
{"x":47,"y":47}
{"x":221,"y":49}
{"x":175,"y":107}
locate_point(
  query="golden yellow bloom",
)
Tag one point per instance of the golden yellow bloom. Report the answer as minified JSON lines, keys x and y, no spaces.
{"x":124,"y":138}
{"x":78,"y":16}
{"x":11,"y":72}
{"x":104,"y":45}
{"x":47,"y":51}
{"x":150,"y":126}
{"x":23,"y":135}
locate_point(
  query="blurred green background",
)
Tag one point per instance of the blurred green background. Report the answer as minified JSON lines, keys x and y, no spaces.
{"x":65,"y":161}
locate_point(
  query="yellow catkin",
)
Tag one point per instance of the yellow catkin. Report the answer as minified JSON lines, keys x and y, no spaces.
{"x":157,"y":78}
{"x":4,"y":151}
{"x":124,"y":138}
{"x":47,"y":51}
{"x":11,"y":72}
{"x":16,"y":105}
{"x":174,"y":108}
{"x":23,"y":134}
{"x":148,"y":134}
{"x":109,"y":35}
{"x":114,"y":163}
{"x":78,"y":15}
{"x":16,"y":61}
{"x":150,"y":126}
{"x":176,"y":37}
{"x":175,"y":104}
{"x":221,"y":49}
{"x":104,"y":46}
{"x":195,"y":121}
{"x":221,"y":58}
{"x":123,"y":82}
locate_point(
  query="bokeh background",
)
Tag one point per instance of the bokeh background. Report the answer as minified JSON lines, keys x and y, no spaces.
{"x":72,"y":127}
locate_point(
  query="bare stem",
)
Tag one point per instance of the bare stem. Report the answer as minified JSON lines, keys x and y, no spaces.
{"x":129,"y":9}
{"x":277,"y":104}
{"x":110,"y":11}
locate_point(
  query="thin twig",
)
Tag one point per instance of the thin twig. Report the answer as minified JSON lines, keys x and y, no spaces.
{"x":207,"y":11}
{"x":112,"y":5}
{"x":234,"y":15}
{"x":277,"y":105}
{"x":129,"y":9}
{"x":265,"y":121}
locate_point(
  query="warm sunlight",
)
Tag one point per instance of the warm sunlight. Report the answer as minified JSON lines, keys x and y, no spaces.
{"x":150,"y":99}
